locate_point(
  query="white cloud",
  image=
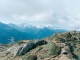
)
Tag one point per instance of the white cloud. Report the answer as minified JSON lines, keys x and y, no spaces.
{"x":58,"y":13}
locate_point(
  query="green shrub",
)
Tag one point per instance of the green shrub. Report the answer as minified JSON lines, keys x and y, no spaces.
{"x":54,"y":50}
{"x":31,"y":57}
{"x":40,"y":48}
{"x":59,"y":39}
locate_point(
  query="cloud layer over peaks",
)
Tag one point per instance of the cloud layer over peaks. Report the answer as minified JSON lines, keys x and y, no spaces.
{"x":58,"y":13}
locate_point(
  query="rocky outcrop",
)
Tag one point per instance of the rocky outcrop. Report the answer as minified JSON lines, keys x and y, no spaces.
{"x":27,"y":47}
{"x":17,"y":51}
{"x":21,"y":50}
{"x":66,"y":51}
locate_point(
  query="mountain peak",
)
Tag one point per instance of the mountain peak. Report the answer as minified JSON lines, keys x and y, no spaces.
{"x":24,"y":25}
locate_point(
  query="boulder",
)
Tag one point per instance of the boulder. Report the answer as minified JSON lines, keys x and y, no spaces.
{"x":65,"y":50}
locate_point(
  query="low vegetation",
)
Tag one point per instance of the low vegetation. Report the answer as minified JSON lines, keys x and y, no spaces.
{"x":54,"y":47}
{"x":31,"y":57}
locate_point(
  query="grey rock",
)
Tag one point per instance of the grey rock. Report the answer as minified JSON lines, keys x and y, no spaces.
{"x":26,"y":48}
{"x":17,"y":51}
{"x":21,"y":50}
{"x":65,"y":50}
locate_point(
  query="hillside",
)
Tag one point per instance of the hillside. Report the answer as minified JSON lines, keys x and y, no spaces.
{"x":60,"y":46}
{"x":8,"y":33}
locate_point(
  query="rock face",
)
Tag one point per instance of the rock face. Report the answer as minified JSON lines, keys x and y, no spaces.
{"x":27,"y":47}
{"x":14,"y":50}
{"x":21,"y":50}
{"x":18,"y":50}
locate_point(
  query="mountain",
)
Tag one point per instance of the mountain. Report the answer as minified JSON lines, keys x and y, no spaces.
{"x":38,"y":32}
{"x":12,"y":32}
{"x":8,"y":33}
{"x":60,"y":46}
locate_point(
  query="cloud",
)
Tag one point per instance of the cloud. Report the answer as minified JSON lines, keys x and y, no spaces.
{"x":58,"y":13}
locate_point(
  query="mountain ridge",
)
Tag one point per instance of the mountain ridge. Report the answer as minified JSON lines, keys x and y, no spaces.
{"x":6,"y":32}
{"x":37,"y":30}
{"x":9,"y":31}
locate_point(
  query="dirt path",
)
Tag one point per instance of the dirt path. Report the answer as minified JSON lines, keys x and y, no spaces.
{"x":64,"y":57}
{"x":1,"y":54}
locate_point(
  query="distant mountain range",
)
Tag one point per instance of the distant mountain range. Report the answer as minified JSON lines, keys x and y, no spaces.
{"x":7,"y":33}
{"x":38,"y":32}
{"x":12,"y":32}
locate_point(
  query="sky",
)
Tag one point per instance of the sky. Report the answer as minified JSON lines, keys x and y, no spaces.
{"x":57,"y":13}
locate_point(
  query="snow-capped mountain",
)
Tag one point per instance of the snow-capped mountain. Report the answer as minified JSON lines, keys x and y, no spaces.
{"x":38,"y":31}
{"x":24,"y":31}
{"x":7,"y":33}
{"x":24,"y":25}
